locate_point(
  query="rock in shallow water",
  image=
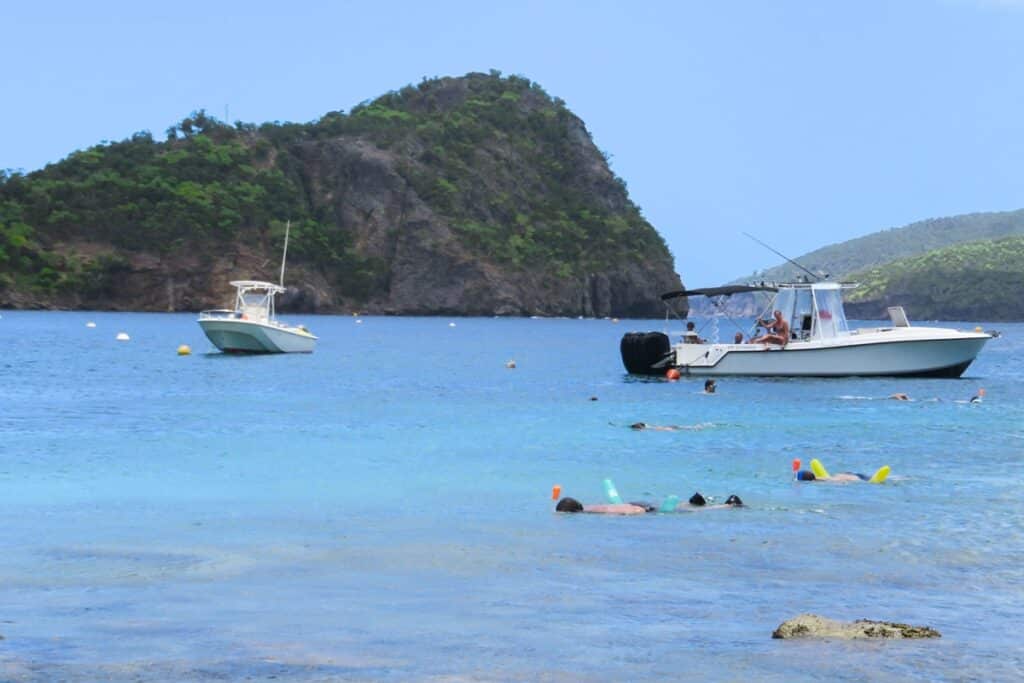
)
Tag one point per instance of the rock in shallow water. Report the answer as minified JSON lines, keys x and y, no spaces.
{"x":813,"y":626}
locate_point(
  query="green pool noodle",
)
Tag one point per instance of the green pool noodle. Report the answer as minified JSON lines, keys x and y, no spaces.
{"x":611,"y":492}
{"x":670,"y":504}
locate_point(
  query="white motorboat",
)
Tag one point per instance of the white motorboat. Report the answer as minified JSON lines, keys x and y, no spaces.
{"x":820,"y":344}
{"x":252,"y":326}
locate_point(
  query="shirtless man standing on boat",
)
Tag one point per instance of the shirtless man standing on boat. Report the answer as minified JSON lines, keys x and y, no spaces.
{"x":778,"y":331}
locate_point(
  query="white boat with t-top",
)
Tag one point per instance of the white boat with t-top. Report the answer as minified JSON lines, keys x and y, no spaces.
{"x":252,"y":326}
{"x":820,"y":342}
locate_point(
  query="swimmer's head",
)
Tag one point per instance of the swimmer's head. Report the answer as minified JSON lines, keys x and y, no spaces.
{"x":804,"y":475}
{"x":569,"y":505}
{"x":638,"y":425}
{"x":734,"y":500}
{"x":698,"y":500}
{"x":709,"y":386}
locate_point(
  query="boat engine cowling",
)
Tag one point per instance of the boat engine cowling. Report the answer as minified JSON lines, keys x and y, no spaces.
{"x":646,"y":353}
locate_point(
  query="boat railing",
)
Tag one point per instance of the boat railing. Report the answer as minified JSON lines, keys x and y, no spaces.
{"x":250,"y":313}
{"x":218,"y":314}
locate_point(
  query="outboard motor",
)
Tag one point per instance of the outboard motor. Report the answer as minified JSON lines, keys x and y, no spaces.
{"x":646,"y":353}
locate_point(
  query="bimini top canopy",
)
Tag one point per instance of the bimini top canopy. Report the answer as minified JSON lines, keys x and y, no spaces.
{"x":728,"y":290}
{"x":259,"y":285}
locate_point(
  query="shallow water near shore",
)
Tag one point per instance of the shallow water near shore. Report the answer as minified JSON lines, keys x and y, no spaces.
{"x":380,"y":509}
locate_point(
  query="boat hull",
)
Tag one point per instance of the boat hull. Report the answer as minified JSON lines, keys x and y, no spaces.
{"x":916,"y":353}
{"x":945,"y":358}
{"x":246,"y":336}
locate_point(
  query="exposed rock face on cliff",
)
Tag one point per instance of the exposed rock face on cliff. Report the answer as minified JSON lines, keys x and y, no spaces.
{"x":479,"y":195}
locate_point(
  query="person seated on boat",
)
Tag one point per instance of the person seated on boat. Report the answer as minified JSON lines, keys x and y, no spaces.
{"x":690,"y":336}
{"x":573,"y":505}
{"x":738,"y":338}
{"x":709,"y":386}
{"x":778,"y":331}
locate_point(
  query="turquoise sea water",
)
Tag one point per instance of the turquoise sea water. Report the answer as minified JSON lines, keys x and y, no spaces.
{"x":380,"y":510}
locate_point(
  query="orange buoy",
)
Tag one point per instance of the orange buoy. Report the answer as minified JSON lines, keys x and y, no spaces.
{"x":672,"y":374}
{"x":556,"y":492}
{"x":796,"y":464}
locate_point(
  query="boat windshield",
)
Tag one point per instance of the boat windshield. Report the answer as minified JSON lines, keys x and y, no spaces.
{"x":828,"y":300}
{"x":813,"y":312}
{"x":802,"y":323}
{"x":255,"y":305}
{"x":797,"y":307}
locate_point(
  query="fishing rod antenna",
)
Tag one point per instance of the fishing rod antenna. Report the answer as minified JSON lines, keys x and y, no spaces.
{"x":780,"y":254}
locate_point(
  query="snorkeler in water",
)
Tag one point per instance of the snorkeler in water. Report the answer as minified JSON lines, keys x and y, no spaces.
{"x":616,"y":506}
{"x":819,"y":473}
{"x":641,"y":426}
{"x":977,"y":398}
{"x":696,"y":502}
{"x":572,"y":505}
{"x":699,"y":502}
{"x":638,"y":426}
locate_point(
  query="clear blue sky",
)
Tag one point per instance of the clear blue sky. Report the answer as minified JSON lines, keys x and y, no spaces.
{"x":804,"y":123}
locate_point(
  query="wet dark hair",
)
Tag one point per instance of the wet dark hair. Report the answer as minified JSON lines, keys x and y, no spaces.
{"x":697,"y":499}
{"x":734,"y":500}
{"x":637,"y":425}
{"x":709,"y":385}
{"x":569,"y":505}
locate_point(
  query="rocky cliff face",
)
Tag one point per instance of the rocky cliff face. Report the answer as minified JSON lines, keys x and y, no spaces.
{"x":467,"y":196}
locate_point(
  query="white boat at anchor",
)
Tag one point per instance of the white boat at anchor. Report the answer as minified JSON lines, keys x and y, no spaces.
{"x":821,"y":344}
{"x":252,"y":326}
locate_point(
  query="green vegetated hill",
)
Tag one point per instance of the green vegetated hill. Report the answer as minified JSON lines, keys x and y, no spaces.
{"x":848,"y":260}
{"x":843,"y":258}
{"x":975,"y":281}
{"x":474,"y":195}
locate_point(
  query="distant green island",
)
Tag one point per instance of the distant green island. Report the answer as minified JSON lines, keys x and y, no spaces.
{"x":885,"y":246}
{"x":477,"y":195}
{"x":974,"y":281}
{"x":965,"y":267}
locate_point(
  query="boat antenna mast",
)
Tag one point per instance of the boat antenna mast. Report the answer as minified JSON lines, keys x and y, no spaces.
{"x":284,"y":256}
{"x":777,"y":253}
